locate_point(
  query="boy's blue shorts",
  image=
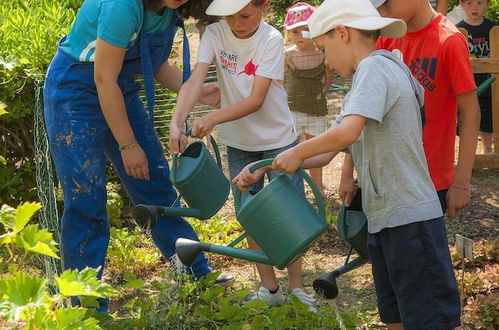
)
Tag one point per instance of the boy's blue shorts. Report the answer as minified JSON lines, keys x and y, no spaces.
{"x":414,"y":277}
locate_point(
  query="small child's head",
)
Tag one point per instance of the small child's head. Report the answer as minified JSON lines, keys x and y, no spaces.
{"x":347,"y":32}
{"x":474,"y":9}
{"x":242,"y":16}
{"x":296,"y":22}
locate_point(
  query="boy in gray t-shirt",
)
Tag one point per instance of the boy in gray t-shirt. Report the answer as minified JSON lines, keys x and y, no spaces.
{"x":380,"y":123}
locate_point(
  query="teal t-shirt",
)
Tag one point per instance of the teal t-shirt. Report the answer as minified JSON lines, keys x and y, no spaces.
{"x":118,"y":22}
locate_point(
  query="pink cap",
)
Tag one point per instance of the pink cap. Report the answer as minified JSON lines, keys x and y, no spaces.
{"x":298,"y":15}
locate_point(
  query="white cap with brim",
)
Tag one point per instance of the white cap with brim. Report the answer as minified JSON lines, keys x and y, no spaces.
{"x":226,"y":7}
{"x":377,"y":3}
{"x":358,"y":14}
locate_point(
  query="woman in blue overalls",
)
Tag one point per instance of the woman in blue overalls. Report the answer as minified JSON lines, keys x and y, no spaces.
{"x":93,"y":112}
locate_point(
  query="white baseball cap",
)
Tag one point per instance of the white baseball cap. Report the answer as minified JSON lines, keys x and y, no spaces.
{"x":357,"y":14}
{"x":377,"y":3}
{"x":226,"y":7}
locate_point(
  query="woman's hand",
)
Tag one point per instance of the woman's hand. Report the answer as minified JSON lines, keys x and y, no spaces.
{"x":287,"y":161}
{"x":210,"y":95}
{"x":135,"y":162}
{"x":246,"y":179}
{"x":177,"y":140}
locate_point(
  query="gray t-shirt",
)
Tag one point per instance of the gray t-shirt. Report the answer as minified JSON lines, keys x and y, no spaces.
{"x":388,"y":156}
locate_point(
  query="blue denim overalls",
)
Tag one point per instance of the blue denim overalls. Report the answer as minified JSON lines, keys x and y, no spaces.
{"x":80,"y":142}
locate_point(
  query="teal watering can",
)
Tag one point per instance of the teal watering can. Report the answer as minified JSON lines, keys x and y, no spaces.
{"x":352,"y":226}
{"x":278,"y":218}
{"x":200,"y":182}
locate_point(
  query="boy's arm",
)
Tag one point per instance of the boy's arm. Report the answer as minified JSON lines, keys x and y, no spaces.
{"x":245,"y":178}
{"x":187,"y":99}
{"x":336,"y":138}
{"x":202,"y":127}
{"x":319,"y":160}
{"x":458,"y":195}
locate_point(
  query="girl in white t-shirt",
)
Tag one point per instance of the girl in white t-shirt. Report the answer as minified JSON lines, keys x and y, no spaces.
{"x":255,"y":121}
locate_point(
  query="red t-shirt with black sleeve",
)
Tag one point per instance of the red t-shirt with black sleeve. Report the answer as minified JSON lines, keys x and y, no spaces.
{"x":438,"y":57}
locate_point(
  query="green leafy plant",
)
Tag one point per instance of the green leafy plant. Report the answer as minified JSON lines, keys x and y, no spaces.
{"x":218,"y":230}
{"x":20,"y":236}
{"x":131,"y":251}
{"x":182,"y":303}
{"x":25,"y":299}
{"x":29,"y":33}
{"x":114,"y":204}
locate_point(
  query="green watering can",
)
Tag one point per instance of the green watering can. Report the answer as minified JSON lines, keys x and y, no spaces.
{"x":200,"y":182}
{"x":278,"y":218}
{"x":352,"y":226}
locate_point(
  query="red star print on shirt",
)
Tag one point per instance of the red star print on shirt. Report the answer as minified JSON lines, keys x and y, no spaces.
{"x":250,"y":68}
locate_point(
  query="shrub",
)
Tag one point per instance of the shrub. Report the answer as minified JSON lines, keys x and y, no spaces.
{"x":29,"y":32}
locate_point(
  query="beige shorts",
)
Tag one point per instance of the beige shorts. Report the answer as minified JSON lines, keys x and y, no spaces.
{"x":307,"y":124}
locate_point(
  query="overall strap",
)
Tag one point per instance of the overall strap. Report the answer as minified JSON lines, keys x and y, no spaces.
{"x":186,"y":53}
{"x":146,"y":66}
{"x":146,"y":63}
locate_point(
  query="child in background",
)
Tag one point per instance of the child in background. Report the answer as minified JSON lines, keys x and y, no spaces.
{"x":478,"y":28}
{"x":380,"y":123}
{"x":440,"y":6}
{"x":255,"y":119}
{"x":437,"y":55}
{"x":306,"y":81}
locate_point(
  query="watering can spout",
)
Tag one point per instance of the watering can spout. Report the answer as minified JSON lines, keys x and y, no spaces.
{"x":146,"y":215}
{"x":187,"y":251}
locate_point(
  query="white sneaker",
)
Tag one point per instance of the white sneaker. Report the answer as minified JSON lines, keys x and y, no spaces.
{"x":307,"y":299}
{"x":264,"y":294}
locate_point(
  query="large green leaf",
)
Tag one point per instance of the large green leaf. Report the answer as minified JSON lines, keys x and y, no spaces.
{"x":24,"y":212}
{"x":37,"y":240}
{"x":63,"y":318}
{"x":6,"y":238}
{"x":74,"y":318}
{"x":7,"y":215}
{"x":20,"y":292}
{"x":82,"y":283}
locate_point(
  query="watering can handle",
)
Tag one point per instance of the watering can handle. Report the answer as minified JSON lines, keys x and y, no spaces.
{"x":266,"y":162}
{"x":215,"y":148}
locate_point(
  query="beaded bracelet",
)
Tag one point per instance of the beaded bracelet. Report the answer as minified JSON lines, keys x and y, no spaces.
{"x":128,"y":146}
{"x":461,"y":188}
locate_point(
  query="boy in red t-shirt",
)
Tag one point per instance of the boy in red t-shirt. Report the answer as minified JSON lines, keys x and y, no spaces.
{"x":437,"y":55}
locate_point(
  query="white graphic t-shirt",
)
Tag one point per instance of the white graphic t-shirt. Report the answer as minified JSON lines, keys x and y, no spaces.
{"x":238,"y":61}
